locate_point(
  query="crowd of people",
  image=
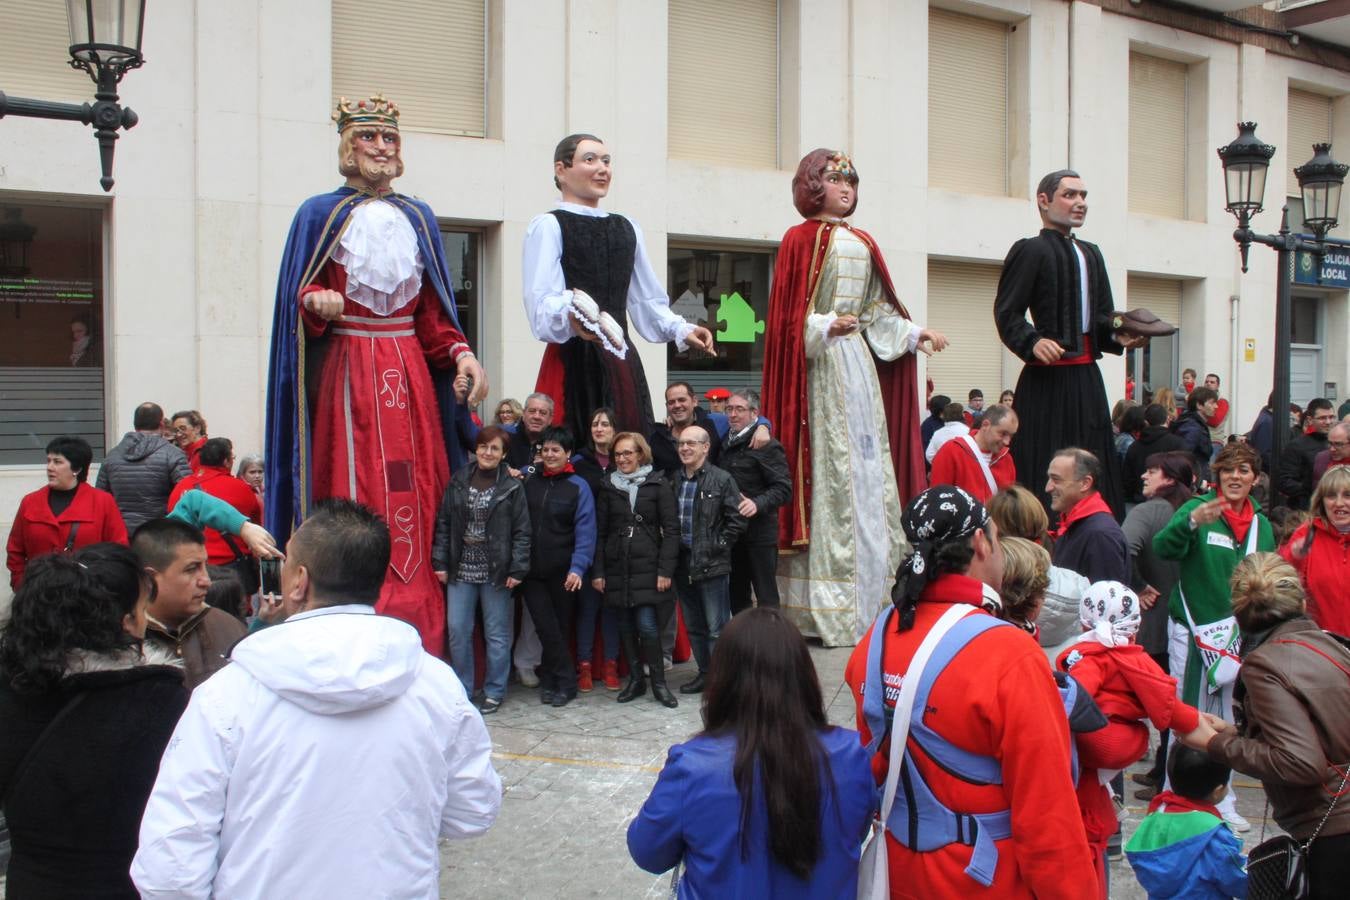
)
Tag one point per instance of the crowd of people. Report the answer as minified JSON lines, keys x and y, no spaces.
{"x":1057,"y":578}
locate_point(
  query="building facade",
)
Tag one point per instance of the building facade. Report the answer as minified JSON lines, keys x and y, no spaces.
{"x":951,"y":111}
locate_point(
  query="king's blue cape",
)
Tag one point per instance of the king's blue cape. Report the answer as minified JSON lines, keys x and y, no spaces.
{"x":314,"y":234}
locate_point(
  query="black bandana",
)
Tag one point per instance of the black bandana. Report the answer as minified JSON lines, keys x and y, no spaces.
{"x":940,"y":515}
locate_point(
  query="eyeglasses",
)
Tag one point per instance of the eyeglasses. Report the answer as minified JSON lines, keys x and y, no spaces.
{"x":624,"y":454}
{"x":1339,"y":443}
{"x":730,"y":408}
{"x":689,"y":443}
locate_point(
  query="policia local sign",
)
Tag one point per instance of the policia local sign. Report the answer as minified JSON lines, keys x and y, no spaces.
{"x":1331,"y":270}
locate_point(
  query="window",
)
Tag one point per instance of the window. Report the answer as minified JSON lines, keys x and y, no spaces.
{"x":724,"y":81}
{"x":727,"y":290}
{"x":961,"y":306}
{"x":432,"y":59}
{"x":1309,"y":123}
{"x":967,"y":103}
{"x":1155,"y":365}
{"x":1157,"y":136}
{"x":52,"y":340}
{"x":35,"y":53}
{"x":462,"y":254}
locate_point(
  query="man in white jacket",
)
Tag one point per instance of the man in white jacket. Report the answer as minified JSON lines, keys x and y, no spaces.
{"x":330,"y":757}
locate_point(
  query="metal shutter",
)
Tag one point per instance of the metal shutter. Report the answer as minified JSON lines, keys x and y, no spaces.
{"x":1309,"y":123}
{"x":967,"y":103}
{"x":1161,"y":296}
{"x":961,"y":306}
{"x":724,"y":81}
{"x":35,"y":53}
{"x":429,"y":58}
{"x":1157,"y":136}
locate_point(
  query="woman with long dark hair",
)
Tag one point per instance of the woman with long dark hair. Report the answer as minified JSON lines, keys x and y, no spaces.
{"x":769,"y":800}
{"x":593,"y":463}
{"x":1168,"y":482}
{"x":86,"y":719}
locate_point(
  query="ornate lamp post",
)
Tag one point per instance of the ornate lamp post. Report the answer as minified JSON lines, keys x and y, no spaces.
{"x":1245,"y":163}
{"x":105,"y":41}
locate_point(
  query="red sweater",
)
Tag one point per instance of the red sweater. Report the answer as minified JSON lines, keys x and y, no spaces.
{"x":955,"y":463}
{"x":1128,"y":686}
{"x":997,"y":698}
{"x":218,"y":482}
{"x":193,"y":451}
{"x":36,"y":531}
{"x":1325,"y":569}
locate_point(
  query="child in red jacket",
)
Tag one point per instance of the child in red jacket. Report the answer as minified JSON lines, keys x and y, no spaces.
{"x":1128,"y":687}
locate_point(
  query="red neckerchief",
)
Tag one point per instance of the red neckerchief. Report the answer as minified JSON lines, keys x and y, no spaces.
{"x":1240,"y":521}
{"x":565,"y":470}
{"x":1178,"y":803}
{"x":1090,"y":505}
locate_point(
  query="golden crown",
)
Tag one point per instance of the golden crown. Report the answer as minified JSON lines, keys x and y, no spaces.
{"x":374,"y":111}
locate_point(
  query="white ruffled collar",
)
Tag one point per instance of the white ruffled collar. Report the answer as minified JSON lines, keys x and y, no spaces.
{"x":378,"y":248}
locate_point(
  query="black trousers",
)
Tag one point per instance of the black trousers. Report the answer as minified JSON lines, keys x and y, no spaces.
{"x":753,"y":566}
{"x":1329,"y":866}
{"x":553,"y":610}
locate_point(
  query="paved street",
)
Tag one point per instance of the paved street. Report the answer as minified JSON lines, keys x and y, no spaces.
{"x":575,"y":777}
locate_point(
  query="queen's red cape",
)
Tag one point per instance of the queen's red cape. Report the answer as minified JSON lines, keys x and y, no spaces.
{"x":786,"y":403}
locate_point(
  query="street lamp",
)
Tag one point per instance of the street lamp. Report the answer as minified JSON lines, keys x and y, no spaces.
{"x":1245,"y":164}
{"x":105,"y":41}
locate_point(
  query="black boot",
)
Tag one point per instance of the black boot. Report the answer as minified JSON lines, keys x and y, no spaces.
{"x":637,"y":684}
{"x":651,"y":652}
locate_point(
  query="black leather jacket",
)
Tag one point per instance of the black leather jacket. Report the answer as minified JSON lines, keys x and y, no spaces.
{"x":717,"y":523}
{"x":508,"y":527}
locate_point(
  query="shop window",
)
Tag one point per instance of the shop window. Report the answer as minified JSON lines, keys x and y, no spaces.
{"x":53,"y":341}
{"x":726,"y":290}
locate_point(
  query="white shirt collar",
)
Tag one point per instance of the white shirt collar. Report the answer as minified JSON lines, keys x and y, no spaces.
{"x":582,"y":210}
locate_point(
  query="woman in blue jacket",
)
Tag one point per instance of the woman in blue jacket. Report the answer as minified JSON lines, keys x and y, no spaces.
{"x":769,"y":800}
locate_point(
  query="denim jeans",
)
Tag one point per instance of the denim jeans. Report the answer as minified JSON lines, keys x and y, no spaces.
{"x":647,"y":622}
{"x":498,"y":610}
{"x":589,"y":604}
{"x":707,"y":608}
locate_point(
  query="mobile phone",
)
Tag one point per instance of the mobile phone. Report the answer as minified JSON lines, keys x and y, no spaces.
{"x":269,"y":576}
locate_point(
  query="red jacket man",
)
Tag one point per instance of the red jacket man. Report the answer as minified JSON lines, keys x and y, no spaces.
{"x":213,"y":477}
{"x":981,"y":457}
{"x":996,"y":699}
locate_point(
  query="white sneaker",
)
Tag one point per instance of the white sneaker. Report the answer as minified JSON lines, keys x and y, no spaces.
{"x":527,"y":677}
{"x":1236,"y":821}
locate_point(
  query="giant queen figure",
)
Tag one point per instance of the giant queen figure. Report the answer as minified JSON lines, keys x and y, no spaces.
{"x":366,"y":348}
{"x":841,"y":388}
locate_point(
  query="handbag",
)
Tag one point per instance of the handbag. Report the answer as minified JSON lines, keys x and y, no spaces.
{"x":1277,"y":869}
{"x":874,"y":866}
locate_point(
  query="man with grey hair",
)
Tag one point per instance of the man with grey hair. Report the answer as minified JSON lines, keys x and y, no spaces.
{"x":1088,"y":540}
{"x":761,"y":476}
{"x":710,"y":524}
{"x":523,"y":453}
